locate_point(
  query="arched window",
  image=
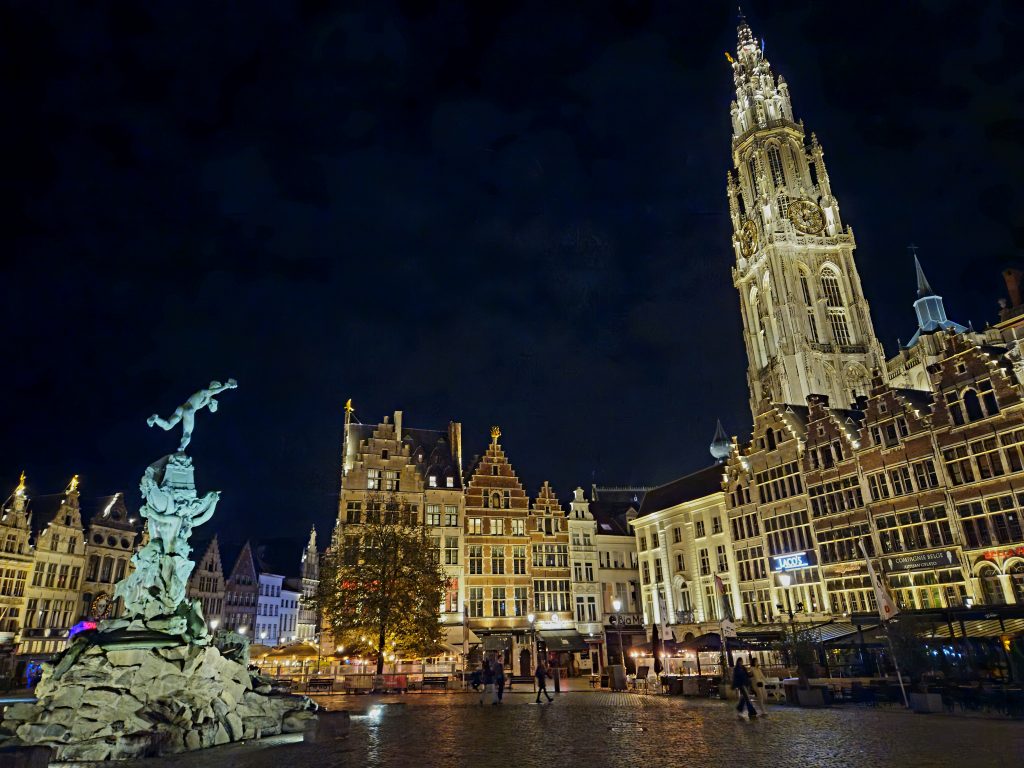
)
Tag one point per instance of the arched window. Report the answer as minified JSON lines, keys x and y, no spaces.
{"x":830,"y":288}
{"x":805,"y":290}
{"x":775,"y":165}
{"x":94,"y":568}
{"x":107,"y":569}
{"x":991,"y":589}
{"x":758,"y":342}
{"x":972,"y":405}
{"x":1016,"y":572}
{"x":755,"y":175}
{"x":782,"y":203}
{"x":834,"y":307}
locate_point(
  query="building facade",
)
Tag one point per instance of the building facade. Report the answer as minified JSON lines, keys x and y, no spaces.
{"x":307,"y":626}
{"x":419,"y":471}
{"x":241,"y":592}
{"x":53,"y":596}
{"x":110,"y":541}
{"x":16,"y":564}
{"x":206,"y":584}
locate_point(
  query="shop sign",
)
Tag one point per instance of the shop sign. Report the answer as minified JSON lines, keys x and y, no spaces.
{"x":921,"y":561}
{"x":1003,"y":554}
{"x":792,"y":562}
{"x":625,"y":620}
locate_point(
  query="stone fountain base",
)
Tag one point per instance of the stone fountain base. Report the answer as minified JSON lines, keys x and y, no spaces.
{"x":144,"y":698}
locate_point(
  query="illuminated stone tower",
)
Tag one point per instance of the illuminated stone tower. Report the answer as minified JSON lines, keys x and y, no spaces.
{"x":807,"y":326}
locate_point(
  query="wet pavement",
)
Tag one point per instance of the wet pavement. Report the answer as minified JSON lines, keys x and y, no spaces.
{"x":600,"y":728}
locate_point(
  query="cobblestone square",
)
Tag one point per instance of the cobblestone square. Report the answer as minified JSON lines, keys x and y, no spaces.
{"x":624,"y":729}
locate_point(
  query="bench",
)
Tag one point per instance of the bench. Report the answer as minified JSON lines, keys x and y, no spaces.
{"x":434,"y":681}
{"x":320,"y":685}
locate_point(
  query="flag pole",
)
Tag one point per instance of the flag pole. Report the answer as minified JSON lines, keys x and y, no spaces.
{"x":896,"y":664}
{"x":887,"y":609}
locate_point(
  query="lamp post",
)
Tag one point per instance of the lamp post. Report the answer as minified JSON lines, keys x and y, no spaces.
{"x":617,"y":607}
{"x":785,"y":580}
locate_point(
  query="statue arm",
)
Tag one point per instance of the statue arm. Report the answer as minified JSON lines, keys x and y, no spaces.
{"x":206,"y":507}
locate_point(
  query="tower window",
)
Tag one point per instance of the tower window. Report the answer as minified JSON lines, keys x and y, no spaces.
{"x":840,"y":329}
{"x":775,"y":165}
{"x":755,"y":183}
{"x":830,"y":287}
{"x":783,"y":206}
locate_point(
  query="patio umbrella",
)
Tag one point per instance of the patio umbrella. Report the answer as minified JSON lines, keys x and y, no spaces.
{"x":656,"y":649}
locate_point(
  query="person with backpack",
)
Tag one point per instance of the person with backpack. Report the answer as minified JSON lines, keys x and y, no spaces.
{"x":741,"y":684}
{"x":541,"y":674}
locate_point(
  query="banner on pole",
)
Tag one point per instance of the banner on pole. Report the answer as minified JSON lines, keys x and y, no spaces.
{"x":886,"y":607}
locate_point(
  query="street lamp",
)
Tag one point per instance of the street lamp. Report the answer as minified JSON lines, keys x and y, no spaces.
{"x":214,"y":623}
{"x":617,"y":607}
{"x":785,"y":580}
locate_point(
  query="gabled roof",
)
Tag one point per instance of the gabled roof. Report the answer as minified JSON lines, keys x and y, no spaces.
{"x":431,"y":444}
{"x":43,"y":510}
{"x":915,"y":398}
{"x":615,"y":494}
{"x":112,"y":512}
{"x":696,"y":485}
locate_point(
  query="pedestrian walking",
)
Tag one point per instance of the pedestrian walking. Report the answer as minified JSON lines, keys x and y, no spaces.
{"x":541,"y":674}
{"x":486,"y":680}
{"x":499,"y":682}
{"x":760,"y":688}
{"x":741,"y":684}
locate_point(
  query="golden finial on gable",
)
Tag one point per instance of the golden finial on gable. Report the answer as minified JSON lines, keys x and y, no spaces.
{"x":495,"y":434}
{"x":73,"y":485}
{"x":20,"y":490}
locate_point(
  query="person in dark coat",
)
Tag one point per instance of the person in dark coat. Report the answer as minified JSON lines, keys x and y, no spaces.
{"x":499,"y":682}
{"x":541,"y":674}
{"x":487,"y":678}
{"x":741,"y":684}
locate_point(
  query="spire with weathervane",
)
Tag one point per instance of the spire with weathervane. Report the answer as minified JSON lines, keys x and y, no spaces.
{"x":807,"y":325}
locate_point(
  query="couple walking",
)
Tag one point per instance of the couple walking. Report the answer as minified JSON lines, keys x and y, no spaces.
{"x":743,"y":681}
{"x":492,"y":678}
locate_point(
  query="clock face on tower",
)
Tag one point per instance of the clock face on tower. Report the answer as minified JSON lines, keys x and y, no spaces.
{"x":748,"y":238}
{"x":806,"y":216}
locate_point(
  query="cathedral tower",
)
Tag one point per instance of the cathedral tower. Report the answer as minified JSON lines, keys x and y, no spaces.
{"x":807,"y":326}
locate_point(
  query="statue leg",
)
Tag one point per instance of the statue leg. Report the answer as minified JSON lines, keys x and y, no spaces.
{"x":165,"y":423}
{"x":188,"y":419}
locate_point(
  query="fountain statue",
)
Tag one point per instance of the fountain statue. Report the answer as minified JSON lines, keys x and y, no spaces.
{"x":154,"y":680}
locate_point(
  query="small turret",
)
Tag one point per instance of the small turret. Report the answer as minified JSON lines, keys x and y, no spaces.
{"x":929,"y":308}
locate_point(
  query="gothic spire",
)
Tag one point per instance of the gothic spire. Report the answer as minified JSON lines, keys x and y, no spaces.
{"x":923,"y":288}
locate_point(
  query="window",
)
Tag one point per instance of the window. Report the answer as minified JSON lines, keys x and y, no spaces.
{"x":451,"y":516}
{"x":519,"y":560}
{"x":716,"y":525}
{"x":497,"y":560}
{"x":581,"y":610}
{"x":451,"y":550}
{"x":830,"y":288}
{"x":986,"y":455}
{"x":643,"y":543}
{"x":705,"y":563}
{"x":958,"y":466}
{"x":551,"y":595}
{"x":654,"y":539}
{"x":723,"y":559}
{"x":474,"y":525}
{"x":659,"y":575}
{"x":677,"y":535}
{"x":699,"y":529}
{"x":588,"y":571}
{"x":498,"y":601}
{"x":432,"y":481}
{"x":680,"y":562}
{"x":996,"y":521}
{"x":782,"y":204}
{"x":877,"y":486}
{"x":924,"y":474}
{"x":840,"y":330}
{"x":518,"y":527}
{"x":751,"y":564}
{"x":913,"y":529}
{"x":373,"y":479}
{"x":475,"y":602}
{"x":646,"y":572}
{"x":476,"y":559}
{"x":497,"y":526}
{"x":900,"y":479}
{"x":390,"y":479}
{"x":352,"y":510}
{"x":519,"y":597}
{"x":779,"y":482}
{"x":775,"y":165}
{"x":433,"y":518}
{"x":449,"y":482}
{"x":829,"y":498}
{"x":755,"y":175}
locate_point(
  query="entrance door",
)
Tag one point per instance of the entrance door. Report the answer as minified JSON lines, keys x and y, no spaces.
{"x":525,"y":667}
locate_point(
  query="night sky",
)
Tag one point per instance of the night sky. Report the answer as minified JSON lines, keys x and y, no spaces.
{"x":510,"y":215}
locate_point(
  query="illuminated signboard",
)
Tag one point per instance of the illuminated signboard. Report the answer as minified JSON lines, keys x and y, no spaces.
{"x":793,"y":561}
